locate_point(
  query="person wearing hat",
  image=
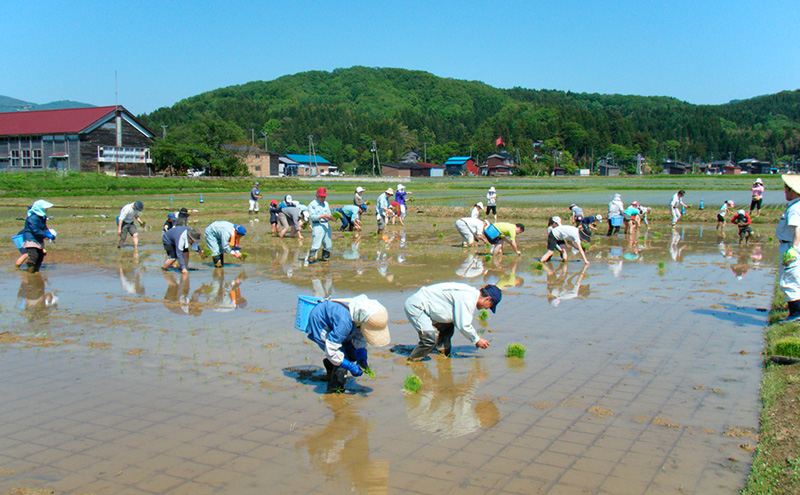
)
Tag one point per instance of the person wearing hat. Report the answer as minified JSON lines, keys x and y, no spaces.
{"x":172,"y":218}
{"x":491,"y":202}
{"x":288,"y":201}
{"x":223,"y":237}
{"x":294,"y":217}
{"x":183,"y":218}
{"x":128,"y":215}
{"x":476,"y":210}
{"x":758,"y":196}
{"x":471,"y":230}
{"x":630,"y":217}
{"x":588,"y":224}
{"x":274,"y":209}
{"x":788,"y":232}
{"x":723,"y":211}
{"x":400,"y":197}
{"x":319,"y":212}
{"x":676,"y":206}
{"x":177,"y":241}
{"x":383,"y":209}
{"x":35,"y":232}
{"x":255,"y":195}
{"x":742,"y":220}
{"x":342,"y":329}
{"x":615,"y":207}
{"x":436,"y":311}
{"x":577,"y":214}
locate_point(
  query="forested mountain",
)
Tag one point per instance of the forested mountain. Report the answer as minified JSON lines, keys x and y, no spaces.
{"x":403,"y":110}
{"x":8,"y":104}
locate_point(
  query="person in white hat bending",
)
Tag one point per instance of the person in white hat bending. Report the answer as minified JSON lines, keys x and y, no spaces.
{"x":383,"y":209}
{"x":788,"y":232}
{"x":436,"y":311}
{"x":477,"y":209}
{"x":491,"y":202}
{"x":758,"y":197}
{"x":342,"y":329}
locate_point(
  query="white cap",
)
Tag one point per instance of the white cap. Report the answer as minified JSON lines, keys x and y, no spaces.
{"x":740,"y":212}
{"x":556,"y":220}
{"x":359,"y":189}
{"x":401,"y":187}
{"x":491,"y":189}
{"x":758,"y":180}
{"x":598,"y":217}
{"x":479,"y":205}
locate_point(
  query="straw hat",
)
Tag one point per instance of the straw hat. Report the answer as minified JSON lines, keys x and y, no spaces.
{"x":792,"y":182}
{"x":390,"y":191}
{"x":375,"y":329}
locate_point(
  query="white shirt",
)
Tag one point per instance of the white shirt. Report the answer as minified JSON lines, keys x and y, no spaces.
{"x":451,"y":302}
{"x":676,"y":201}
{"x":475,"y":225}
{"x":127,"y":214}
{"x":790,"y":220}
{"x":566,"y":233}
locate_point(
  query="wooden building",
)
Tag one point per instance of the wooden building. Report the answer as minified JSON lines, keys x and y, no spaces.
{"x":460,"y":165}
{"x":411,"y":170}
{"x":500,"y":163}
{"x":94,"y":139}
{"x":259,"y":163}
{"x":311,"y":166}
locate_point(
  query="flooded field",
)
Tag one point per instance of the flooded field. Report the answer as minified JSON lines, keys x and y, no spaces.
{"x":641,"y":374}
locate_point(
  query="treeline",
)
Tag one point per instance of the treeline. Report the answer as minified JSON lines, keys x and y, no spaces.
{"x":346,"y":110}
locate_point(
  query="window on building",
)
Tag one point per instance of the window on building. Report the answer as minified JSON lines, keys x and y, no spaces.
{"x":37,"y":158}
{"x":26,"y":158}
{"x":14,"y":159}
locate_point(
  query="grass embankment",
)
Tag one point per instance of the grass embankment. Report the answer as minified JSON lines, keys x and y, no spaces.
{"x":776,"y":463}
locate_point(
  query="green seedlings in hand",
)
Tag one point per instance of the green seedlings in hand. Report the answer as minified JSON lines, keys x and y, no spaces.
{"x":369,"y":373}
{"x":337,"y":215}
{"x":441,"y":236}
{"x":412,"y":384}
{"x":488,"y":257}
{"x":515,"y":351}
{"x":483,"y":315}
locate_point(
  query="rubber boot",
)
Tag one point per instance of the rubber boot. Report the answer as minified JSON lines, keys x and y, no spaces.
{"x":336,"y":379}
{"x":443,"y":340}
{"x":311,"y":257}
{"x":794,"y":311}
{"x":217,"y":260}
{"x":427,"y":343}
{"x":326,"y":255}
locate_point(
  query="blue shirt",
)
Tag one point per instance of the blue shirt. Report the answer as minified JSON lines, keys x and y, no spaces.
{"x":330,"y":326}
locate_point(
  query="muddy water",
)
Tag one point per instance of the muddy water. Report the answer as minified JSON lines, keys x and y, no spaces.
{"x":641,"y":374}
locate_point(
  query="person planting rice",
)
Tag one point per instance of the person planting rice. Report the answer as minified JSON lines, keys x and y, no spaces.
{"x":177,"y":242}
{"x":350,"y":216}
{"x":223,"y":237}
{"x":273,"y":216}
{"x":577,"y":214}
{"x":508,"y":234}
{"x":400,"y":197}
{"x":561,"y":237}
{"x":35,"y":232}
{"x":128,"y":215}
{"x":615,"y":207}
{"x":383,"y":210}
{"x":319,"y":213}
{"x":293,"y":216}
{"x":742,"y":220}
{"x":788,"y":232}
{"x":676,"y":206}
{"x":436,"y":311}
{"x":471,"y":230}
{"x":395,"y":207}
{"x":477,"y":209}
{"x":342,"y":329}
{"x":723,"y":211}
{"x":183,"y":218}
{"x":588,"y":224}
{"x":630,"y":217}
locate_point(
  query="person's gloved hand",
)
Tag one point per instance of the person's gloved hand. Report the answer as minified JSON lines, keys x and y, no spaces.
{"x":361,"y":357}
{"x":49,"y":234}
{"x":352,"y":367}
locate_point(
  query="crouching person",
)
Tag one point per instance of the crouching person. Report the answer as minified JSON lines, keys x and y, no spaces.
{"x":177,"y":241}
{"x":223,"y":237}
{"x":342,"y":329}
{"x":436,"y":311}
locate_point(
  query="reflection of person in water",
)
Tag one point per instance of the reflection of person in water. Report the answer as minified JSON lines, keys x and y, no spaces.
{"x":472,"y":266}
{"x":340,"y":450}
{"x":32,"y":296}
{"x":562,"y":286}
{"x":224,"y":296}
{"x":177,"y":298}
{"x":503,"y":277}
{"x":448,"y":408}
{"x":675,"y":250}
{"x":131,"y":280}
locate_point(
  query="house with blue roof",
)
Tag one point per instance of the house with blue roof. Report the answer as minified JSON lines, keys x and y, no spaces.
{"x":309,"y":166}
{"x":460,"y":165}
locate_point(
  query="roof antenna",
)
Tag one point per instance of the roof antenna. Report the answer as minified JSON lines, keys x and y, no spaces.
{"x":115,"y":90}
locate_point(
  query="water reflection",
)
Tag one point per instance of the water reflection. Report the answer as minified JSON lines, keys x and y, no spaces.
{"x":562,"y":286}
{"x":503,"y":276}
{"x":471,"y":267}
{"x":450,"y":408}
{"x":33,"y":298}
{"x":177,"y":298}
{"x":223,"y":296}
{"x":340,"y":450}
{"x":131,"y":278}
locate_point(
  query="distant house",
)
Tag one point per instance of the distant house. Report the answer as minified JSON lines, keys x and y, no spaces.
{"x":411,"y":157}
{"x":558,"y":171}
{"x":312,"y":165}
{"x":672,"y":167}
{"x":608,"y":169}
{"x":718,"y":166}
{"x":500,"y":163}
{"x":411,"y":170}
{"x":259,"y":162}
{"x":460,"y":165}
{"x":94,"y":139}
{"x":753,"y":166}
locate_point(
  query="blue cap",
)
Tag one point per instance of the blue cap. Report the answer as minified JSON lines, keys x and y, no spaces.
{"x":171,"y":216}
{"x":138,"y":205}
{"x":363,"y":207}
{"x":496,"y":294}
{"x":241,"y":230}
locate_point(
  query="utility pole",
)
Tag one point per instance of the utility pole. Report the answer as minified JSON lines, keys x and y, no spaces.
{"x":265,"y":141}
{"x":164,"y":131}
{"x":425,"y":147}
{"x":374,"y":150}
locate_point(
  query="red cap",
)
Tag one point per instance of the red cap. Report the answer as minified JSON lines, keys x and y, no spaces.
{"x":322,"y":192}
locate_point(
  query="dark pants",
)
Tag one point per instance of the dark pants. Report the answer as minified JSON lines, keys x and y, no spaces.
{"x":337,"y":376}
{"x":429,"y":341}
{"x":612,"y":229}
{"x":218,"y":260}
{"x":35,"y":259}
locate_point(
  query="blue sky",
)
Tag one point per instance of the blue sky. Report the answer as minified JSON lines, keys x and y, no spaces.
{"x":703,"y":52}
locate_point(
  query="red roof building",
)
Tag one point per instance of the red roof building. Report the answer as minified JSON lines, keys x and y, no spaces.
{"x":94,"y":139}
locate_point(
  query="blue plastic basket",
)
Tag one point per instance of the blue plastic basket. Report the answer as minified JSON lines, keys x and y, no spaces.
{"x":304,"y":306}
{"x":491,"y":232}
{"x":18,"y":242}
{"x":616,"y":221}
